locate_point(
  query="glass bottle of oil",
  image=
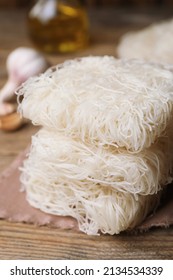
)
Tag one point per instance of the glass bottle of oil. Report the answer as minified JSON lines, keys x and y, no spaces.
{"x":58,"y":25}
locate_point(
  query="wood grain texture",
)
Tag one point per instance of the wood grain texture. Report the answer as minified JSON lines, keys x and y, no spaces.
{"x":20,"y":241}
{"x":24,"y":241}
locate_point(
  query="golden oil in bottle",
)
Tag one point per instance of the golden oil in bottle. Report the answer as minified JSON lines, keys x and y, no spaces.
{"x":58,"y":25}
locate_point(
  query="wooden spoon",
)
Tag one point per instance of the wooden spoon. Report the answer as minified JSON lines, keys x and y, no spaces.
{"x":11,"y":122}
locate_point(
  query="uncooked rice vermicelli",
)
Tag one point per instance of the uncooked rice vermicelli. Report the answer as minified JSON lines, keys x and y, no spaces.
{"x":105,"y":190}
{"x":153,"y":43}
{"x":125,"y":103}
{"x":104,"y":153}
{"x":56,"y":157}
{"x":97,"y":209}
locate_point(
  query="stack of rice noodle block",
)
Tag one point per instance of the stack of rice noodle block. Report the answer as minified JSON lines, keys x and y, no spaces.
{"x":103,"y":153}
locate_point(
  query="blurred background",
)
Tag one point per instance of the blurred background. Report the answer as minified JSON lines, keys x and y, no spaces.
{"x":98,"y":3}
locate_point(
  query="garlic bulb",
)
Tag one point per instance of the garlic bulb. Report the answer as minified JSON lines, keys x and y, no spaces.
{"x":21,"y":64}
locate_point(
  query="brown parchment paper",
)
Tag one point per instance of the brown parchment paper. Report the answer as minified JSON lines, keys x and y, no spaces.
{"x":14,"y":206}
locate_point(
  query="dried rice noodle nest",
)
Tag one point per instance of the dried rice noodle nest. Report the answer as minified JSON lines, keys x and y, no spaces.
{"x":153,"y":43}
{"x":125,"y":103}
{"x":106,"y":191}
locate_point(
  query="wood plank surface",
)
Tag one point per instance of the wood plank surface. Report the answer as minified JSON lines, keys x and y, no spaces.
{"x":25,"y":241}
{"x":20,"y":241}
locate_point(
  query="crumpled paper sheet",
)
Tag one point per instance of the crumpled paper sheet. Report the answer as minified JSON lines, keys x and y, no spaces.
{"x":163,"y":217}
{"x":14,"y":206}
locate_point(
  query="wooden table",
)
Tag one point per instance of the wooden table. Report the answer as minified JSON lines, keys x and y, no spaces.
{"x":24,"y":241}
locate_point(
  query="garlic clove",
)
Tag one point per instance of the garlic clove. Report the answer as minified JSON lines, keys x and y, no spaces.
{"x":21,"y":64}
